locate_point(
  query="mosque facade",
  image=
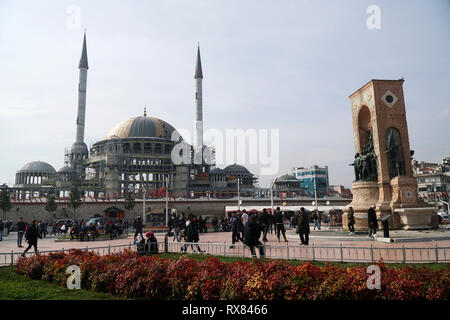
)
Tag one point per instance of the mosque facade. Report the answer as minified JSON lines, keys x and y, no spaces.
{"x":135,"y":155}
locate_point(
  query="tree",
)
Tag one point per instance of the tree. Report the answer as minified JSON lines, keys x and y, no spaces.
{"x":51,"y":205}
{"x":74,"y":198}
{"x":5,"y":200}
{"x":129,"y":201}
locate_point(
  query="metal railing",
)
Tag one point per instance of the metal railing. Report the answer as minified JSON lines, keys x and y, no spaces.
{"x":338,"y":253}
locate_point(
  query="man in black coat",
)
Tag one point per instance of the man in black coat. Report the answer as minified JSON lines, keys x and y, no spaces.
{"x":236,"y":228}
{"x":280,"y":224}
{"x":303,"y":226}
{"x":372,"y":221}
{"x":192,"y":234}
{"x":265,"y":220}
{"x":252,"y":232}
{"x":139,"y":228}
{"x":31,"y":236}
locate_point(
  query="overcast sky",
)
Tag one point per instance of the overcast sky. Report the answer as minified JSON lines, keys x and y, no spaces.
{"x":280,"y":64}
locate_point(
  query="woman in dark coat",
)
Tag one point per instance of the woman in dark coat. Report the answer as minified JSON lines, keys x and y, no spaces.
{"x":351,"y":220}
{"x":192,"y":234}
{"x":252,"y":232}
{"x":31,"y":236}
{"x":372,"y":221}
{"x":303,"y":226}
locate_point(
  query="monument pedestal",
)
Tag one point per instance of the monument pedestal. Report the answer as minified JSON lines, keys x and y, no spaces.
{"x":415,"y":218}
{"x":365,"y":194}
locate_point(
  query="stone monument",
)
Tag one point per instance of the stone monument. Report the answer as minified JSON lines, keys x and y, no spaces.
{"x":382,"y":163}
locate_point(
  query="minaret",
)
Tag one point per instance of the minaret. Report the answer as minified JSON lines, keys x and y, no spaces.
{"x":79,"y":150}
{"x":83,"y":66}
{"x":198,"y":128}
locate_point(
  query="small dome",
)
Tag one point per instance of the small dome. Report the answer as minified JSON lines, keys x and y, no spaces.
{"x":38,"y":166}
{"x":66,"y":169}
{"x":217,"y":171}
{"x":236,"y":169}
{"x":287,"y":177}
{"x":142,"y":126}
{"x":79,"y":148}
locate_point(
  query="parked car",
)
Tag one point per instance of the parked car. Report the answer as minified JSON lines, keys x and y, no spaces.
{"x":99,"y":223}
{"x":444,"y":218}
{"x":67,"y":222}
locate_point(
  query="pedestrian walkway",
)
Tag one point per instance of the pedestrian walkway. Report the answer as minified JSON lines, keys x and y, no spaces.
{"x":326,"y":245}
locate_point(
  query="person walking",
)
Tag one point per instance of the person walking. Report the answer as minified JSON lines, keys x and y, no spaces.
{"x":2,"y":226}
{"x":271,"y":222}
{"x":372,"y":222}
{"x":44,"y":229}
{"x":21,"y":227}
{"x":280,"y":224}
{"x":215,"y":224}
{"x":182,"y":234}
{"x":252,"y":232}
{"x":303,"y":226}
{"x":245,"y":217}
{"x":74,"y":231}
{"x":316,"y":220}
{"x":176,"y":228}
{"x":192,"y":234}
{"x":170,"y":225}
{"x":139,"y":227}
{"x":31,"y":236}
{"x":236,"y":229}
{"x":265,"y":224}
{"x":351,"y":221}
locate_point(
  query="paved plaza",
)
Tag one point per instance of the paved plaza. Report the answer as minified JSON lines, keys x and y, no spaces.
{"x":409,"y":239}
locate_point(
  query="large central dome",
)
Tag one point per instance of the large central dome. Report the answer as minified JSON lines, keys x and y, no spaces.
{"x":141,"y":126}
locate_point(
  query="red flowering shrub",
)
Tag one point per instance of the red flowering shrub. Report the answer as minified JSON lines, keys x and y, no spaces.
{"x":208,"y":282}
{"x":129,"y":275}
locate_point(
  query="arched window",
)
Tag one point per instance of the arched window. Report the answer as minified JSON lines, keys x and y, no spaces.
{"x":364,"y":126}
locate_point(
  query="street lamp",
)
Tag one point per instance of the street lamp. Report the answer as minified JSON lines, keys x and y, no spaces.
{"x":143,"y":205}
{"x":167,"y":201}
{"x":239,"y":194}
{"x":271,"y":195}
{"x":315,"y":195}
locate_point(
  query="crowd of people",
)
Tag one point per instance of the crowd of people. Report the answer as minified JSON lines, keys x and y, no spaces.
{"x":248,"y":228}
{"x":251,"y":229}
